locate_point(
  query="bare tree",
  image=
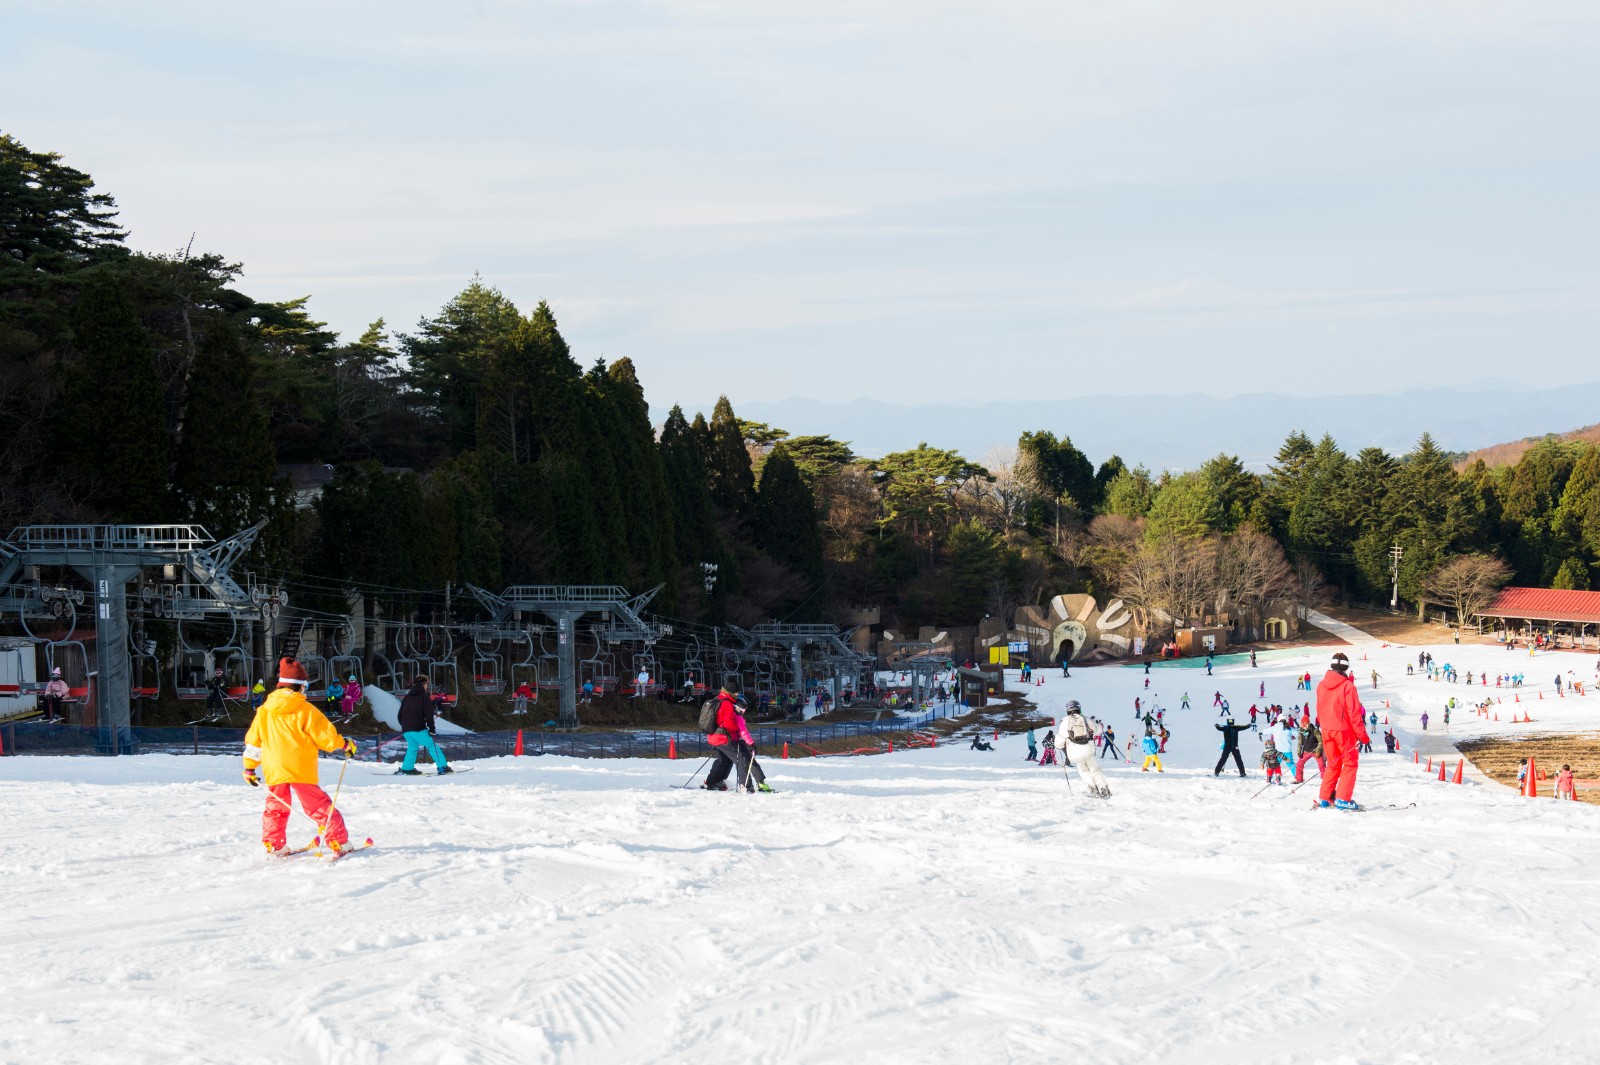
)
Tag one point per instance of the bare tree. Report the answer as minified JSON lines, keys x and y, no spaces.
{"x":1466,"y":584}
{"x":1310,"y":590}
{"x":1251,"y":571}
{"x":1008,"y":493}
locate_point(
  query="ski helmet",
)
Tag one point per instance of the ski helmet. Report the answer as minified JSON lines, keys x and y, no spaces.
{"x":1073,"y":707}
{"x":1341,"y":663}
{"x":56,"y":672}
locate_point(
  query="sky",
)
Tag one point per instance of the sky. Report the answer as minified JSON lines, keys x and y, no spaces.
{"x":909,"y":201}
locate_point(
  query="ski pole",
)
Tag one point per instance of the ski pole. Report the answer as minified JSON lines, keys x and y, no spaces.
{"x":696,"y":773}
{"x":334,"y":805}
{"x":1314,"y":775}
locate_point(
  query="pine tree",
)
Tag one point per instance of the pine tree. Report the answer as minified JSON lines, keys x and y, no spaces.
{"x":652,"y":552}
{"x":450,"y":355}
{"x":733,"y":485}
{"x":111,"y":420}
{"x":786,"y":520}
{"x":224,"y":475}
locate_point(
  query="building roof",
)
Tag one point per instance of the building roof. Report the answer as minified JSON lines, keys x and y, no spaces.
{"x":1545,"y":604}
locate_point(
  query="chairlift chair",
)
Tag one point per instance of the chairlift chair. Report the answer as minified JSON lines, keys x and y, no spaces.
{"x":443,"y":681}
{"x":73,"y":659}
{"x":190,"y":668}
{"x":345,"y":663}
{"x":488,"y":671}
{"x":235,"y":664}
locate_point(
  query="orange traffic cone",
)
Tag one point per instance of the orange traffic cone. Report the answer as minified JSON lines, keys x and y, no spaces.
{"x":1429,"y":767}
{"x":1441,"y":769}
{"x":1530,"y":783}
{"x":672,"y":746}
{"x":1461,"y":764}
{"x":996,"y":733}
{"x":1541,"y":697}
{"x":1385,"y":719}
{"x":1415,"y":757}
{"x":891,"y":746}
{"x":518,"y":750}
{"x":786,"y":748}
{"x":1519,"y":698}
{"x":1497,"y":715}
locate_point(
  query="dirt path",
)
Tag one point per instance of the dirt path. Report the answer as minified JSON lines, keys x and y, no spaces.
{"x":1498,"y":758}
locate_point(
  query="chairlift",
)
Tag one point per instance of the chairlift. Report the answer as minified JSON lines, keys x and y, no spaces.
{"x":12,"y":684}
{"x":645,"y":665}
{"x":442,"y":680}
{"x":345,"y":663}
{"x":236,"y":666}
{"x":72,"y":658}
{"x":488,"y":674}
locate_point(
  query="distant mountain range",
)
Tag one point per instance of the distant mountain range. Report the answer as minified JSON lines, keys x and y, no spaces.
{"x":1182,"y":431}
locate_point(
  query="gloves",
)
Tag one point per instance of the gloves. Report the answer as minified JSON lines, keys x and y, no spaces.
{"x":349,"y":747}
{"x":250,"y":775}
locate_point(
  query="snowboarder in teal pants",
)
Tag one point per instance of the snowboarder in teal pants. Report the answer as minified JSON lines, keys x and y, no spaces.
{"x":416,"y":722}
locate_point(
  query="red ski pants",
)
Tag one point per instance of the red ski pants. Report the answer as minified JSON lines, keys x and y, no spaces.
{"x":313,"y":800}
{"x":1343,"y":754}
{"x":1300,"y":766}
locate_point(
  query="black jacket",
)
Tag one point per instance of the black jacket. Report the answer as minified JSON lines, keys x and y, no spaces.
{"x":1230,"y":734}
{"x":416,"y":710}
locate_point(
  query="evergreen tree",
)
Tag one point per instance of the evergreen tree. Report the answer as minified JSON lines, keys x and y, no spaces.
{"x":1186,"y":508}
{"x":224,"y":474}
{"x":651,"y":551}
{"x":786,"y":522}
{"x":450,"y":355}
{"x":1235,"y":488}
{"x":1130,"y":494}
{"x":111,"y":422}
{"x":733,"y":485}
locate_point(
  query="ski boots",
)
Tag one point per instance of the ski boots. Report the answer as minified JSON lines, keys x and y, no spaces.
{"x":1346,"y":804}
{"x":765,"y":788}
{"x":443,"y":770}
{"x":715,"y":787}
{"x":408,"y":772}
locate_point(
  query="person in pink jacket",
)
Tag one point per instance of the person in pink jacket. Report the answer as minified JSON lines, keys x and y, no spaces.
{"x":1341,"y":718}
{"x":1564,"y":789}
{"x":732,"y":746}
{"x":351,"y":697}
{"x":54,"y":693}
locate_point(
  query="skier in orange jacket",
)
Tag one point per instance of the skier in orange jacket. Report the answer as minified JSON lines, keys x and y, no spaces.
{"x":283,"y":741}
{"x":1341,"y":718}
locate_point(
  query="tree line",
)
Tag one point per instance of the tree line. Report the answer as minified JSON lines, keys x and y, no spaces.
{"x":476,"y":447}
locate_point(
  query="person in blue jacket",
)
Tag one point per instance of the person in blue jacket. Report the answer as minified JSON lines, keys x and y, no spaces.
{"x":1152,"y":752}
{"x":1033,"y":748}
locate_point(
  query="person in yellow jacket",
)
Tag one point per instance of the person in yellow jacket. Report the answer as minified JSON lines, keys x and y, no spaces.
{"x":283,"y":741}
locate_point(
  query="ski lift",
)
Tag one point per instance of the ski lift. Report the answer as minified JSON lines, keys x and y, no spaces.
{"x":311,"y":659}
{"x":694,"y":672}
{"x":488,"y":676}
{"x":191,"y":666}
{"x":72,"y":658}
{"x":389,"y":674}
{"x":595,"y":672}
{"x":11,"y":686}
{"x":442,"y":674}
{"x":345,"y":663}
{"x":236,"y":665}
{"x":144,"y":673}
{"x":645,"y":665}
{"x":443,"y":681}
{"x":548,"y":668}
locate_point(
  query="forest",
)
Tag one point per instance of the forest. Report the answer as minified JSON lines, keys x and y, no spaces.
{"x":476,"y":447}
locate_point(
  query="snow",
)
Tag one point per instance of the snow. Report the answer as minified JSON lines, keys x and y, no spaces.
{"x":925,"y":906}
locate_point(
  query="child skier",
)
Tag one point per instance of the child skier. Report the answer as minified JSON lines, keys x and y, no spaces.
{"x":1049,"y":756}
{"x":283,"y":740}
{"x":335,"y":694}
{"x":1271,"y":762}
{"x":1033,"y":748}
{"x":1564,"y":787}
{"x":1152,"y":752}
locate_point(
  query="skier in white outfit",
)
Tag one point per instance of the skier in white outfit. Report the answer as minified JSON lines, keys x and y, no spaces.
{"x":1076,"y":739}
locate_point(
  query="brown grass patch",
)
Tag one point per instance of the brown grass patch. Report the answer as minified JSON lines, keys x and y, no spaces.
{"x":1499,"y":758}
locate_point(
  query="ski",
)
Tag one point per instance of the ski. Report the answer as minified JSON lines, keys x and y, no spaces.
{"x":396,"y":773}
{"x":349,"y":849}
{"x":1369,"y":809}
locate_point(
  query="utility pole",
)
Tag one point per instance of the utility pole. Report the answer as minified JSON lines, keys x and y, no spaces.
{"x":1395,"y":554}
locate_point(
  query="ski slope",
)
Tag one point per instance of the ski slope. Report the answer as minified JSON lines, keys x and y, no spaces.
{"x":926,"y":906}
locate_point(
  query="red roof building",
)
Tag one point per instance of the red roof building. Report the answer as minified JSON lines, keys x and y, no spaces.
{"x":1545,"y":604}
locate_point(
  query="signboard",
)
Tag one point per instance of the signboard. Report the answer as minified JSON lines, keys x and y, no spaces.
{"x":1017,"y":647}
{"x":1138,"y":645}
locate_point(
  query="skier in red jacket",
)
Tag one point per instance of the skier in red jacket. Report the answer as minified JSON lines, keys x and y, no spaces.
{"x":733,"y":747}
{"x":1341,"y":718}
